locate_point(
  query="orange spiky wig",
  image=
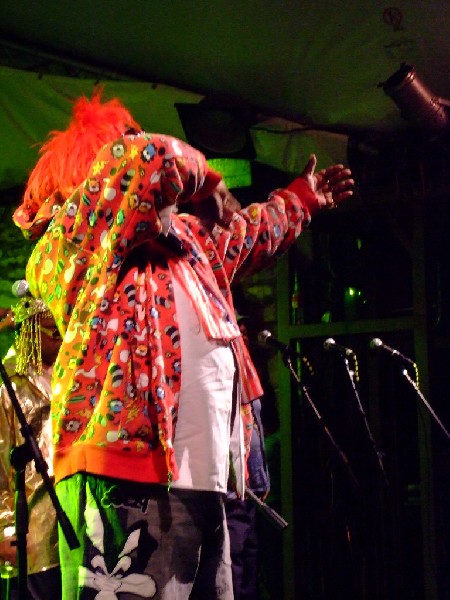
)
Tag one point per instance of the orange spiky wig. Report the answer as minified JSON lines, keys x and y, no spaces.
{"x":65,"y":159}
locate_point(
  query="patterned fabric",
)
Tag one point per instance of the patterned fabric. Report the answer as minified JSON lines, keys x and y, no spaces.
{"x":106,"y":273}
{"x":33,"y":221}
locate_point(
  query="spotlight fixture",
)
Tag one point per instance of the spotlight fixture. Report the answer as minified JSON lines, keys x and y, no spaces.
{"x":217,"y":131}
{"x":220,"y":130}
{"x":417,"y":103}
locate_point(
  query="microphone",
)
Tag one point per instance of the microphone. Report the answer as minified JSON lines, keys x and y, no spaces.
{"x":376,"y":343}
{"x":265,"y":337}
{"x":330,"y":345}
{"x":20,"y":288}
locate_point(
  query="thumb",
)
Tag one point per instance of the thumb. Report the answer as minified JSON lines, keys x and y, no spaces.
{"x":310,"y":166}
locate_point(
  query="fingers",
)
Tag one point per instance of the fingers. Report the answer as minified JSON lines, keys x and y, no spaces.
{"x":337,"y":184}
{"x":229,"y":207}
{"x":338,"y":198}
{"x":336,"y":174}
{"x":217,"y":209}
{"x":335,"y":197}
{"x":310,"y":166}
{"x":341,"y":187}
{"x":231,"y":204}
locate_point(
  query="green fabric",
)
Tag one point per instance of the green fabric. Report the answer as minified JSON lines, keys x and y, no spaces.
{"x":32,"y":105}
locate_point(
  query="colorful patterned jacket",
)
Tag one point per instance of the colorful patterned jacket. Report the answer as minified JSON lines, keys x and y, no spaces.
{"x":105,"y":271}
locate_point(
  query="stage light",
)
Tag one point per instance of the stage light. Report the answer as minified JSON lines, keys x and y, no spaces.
{"x":217,"y":131}
{"x":221,"y":132}
{"x":427,"y":112}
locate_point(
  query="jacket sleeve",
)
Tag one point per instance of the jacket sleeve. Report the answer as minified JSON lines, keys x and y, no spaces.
{"x":115,"y":210}
{"x":261,"y":232}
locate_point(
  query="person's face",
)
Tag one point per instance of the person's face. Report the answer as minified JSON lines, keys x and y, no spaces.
{"x":50,"y":340}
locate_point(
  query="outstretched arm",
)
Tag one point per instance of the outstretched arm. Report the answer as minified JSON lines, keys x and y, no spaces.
{"x":330,"y":187}
{"x":249,"y":239}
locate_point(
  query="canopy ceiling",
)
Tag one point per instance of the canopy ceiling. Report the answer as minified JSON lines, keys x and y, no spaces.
{"x":317,"y":64}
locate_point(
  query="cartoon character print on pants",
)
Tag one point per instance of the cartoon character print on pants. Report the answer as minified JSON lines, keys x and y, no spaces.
{"x":112,"y":573}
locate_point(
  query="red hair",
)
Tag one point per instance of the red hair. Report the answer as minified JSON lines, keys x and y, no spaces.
{"x":65,"y":158}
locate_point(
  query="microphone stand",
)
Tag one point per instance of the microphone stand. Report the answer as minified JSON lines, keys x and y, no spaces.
{"x":19,"y":457}
{"x":287,"y":359}
{"x":426,"y":403}
{"x":377,"y":453}
{"x":267,"y":511}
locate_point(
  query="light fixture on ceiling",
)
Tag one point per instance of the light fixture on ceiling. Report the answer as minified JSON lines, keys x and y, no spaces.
{"x":221,"y":131}
{"x":426,"y":111}
{"x":217,"y":128}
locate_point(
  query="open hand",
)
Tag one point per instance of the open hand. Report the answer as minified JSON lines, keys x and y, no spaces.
{"x":331,"y":185}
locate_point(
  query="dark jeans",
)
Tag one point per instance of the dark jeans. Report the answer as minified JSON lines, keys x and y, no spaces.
{"x":241,"y":522}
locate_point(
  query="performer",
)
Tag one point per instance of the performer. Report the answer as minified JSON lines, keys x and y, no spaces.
{"x":29,"y":364}
{"x":152,"y":369}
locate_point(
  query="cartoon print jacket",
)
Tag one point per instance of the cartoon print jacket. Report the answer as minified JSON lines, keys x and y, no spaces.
{"x":106,"y":272}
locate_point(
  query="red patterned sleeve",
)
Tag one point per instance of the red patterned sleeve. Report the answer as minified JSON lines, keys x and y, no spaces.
{"x":262,"y":232}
